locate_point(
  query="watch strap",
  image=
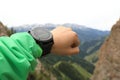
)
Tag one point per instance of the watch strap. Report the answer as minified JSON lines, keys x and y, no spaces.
{"x":46,"y":46}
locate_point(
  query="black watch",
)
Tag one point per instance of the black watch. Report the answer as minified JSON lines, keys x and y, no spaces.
{"x":43,"y":38}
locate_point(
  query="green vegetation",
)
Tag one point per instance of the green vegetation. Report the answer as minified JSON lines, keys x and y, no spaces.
{"x":92,"y":49}
{"x":92,"y":58}
{"x":81,"y":70}
{"x":68,"y":67}
{"x":70,"y":71}
{"x":51,"y":60}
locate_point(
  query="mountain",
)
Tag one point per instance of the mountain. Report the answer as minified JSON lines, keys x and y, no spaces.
{"x":90,"y":49}
{"x":108,"y":65}
{"x":4,"y":31}
{"x":84,"y":33}
{"x":87,"y":34}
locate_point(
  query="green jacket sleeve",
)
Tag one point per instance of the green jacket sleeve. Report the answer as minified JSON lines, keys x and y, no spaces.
{"x":18,"y":55}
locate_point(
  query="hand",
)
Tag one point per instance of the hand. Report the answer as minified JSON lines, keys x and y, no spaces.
{"x":66,"y":41}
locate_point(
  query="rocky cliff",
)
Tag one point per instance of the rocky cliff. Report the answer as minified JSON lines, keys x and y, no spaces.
{"x":4,"y":31}
{"x":108,"y":65}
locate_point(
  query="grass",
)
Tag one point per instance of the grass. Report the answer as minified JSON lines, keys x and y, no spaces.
{"x":82,"y":71}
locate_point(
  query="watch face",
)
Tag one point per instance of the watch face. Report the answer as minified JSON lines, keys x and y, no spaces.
{"x":41,"y":34}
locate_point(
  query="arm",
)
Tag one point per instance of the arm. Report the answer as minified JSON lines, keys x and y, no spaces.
{"x":18,"y":53}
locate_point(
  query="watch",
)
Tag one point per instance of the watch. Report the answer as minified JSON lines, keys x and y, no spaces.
{"x":43,"y":38}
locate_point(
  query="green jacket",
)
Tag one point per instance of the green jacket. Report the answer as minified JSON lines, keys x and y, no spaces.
{"x":18,"y":55}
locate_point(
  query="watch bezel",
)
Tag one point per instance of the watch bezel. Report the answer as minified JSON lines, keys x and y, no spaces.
{"x":38,"y":37}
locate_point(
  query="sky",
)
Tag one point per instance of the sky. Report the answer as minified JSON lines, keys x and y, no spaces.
{"x":97,"y":14}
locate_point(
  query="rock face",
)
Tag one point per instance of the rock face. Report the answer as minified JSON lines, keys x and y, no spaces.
{"x":108,"y":65}
{"x":4,"y":30}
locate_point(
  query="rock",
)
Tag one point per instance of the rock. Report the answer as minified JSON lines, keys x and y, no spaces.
{"x":4,"y":30}
{"x":108,"y":65}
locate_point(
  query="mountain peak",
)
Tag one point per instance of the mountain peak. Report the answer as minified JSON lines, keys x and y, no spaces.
{"x":108,"y":65}
{"x":75,"y":25}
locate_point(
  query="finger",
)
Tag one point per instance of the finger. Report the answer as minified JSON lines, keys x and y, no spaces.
{"x":74,"y":50}
{"x":69,"y":29}
{"x":76,"y":41}
{"x":75,"y":44}
{"x":61,"y":27}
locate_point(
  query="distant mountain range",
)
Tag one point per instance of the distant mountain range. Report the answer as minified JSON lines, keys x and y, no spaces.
{"x":84,"y":33}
